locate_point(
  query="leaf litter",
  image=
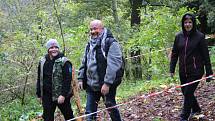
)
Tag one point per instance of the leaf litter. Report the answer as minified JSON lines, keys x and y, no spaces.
{"x":167,"y":106}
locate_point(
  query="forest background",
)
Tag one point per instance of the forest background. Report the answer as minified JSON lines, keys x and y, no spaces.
{"x":144,"y":28}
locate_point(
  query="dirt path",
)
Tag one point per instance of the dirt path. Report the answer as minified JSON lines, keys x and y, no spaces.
{"x":164,"y":107}
{"x":167,"y":107}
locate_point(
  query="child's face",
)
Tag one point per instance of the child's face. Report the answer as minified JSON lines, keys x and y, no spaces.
{"x":53,"y":51}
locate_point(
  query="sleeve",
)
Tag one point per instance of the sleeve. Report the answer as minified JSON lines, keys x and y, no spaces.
{"x":174,"y":56}
{"x":206,"y":57}
{"x":82,"y":69}
{"x":67,"y":78}
{"x":38,"y":89}
{"x":114,"y":63}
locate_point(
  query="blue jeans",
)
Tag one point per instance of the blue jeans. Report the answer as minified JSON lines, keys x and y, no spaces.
{"x":109,"y":99}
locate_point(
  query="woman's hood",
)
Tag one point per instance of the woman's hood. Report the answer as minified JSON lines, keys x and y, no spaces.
{"x":193,"y":20}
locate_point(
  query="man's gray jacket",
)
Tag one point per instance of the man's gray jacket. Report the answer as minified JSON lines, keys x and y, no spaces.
{"x":91,"y":60}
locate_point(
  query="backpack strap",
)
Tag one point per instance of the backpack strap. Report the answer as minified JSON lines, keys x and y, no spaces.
{"x":105,"y":48}
{"x":87,"y":48}
{"x":103,"y":43}
{"x":64,"y":60}
{"x":42,"y":61}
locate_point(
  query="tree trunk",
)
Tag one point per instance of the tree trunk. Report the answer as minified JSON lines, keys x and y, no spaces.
{"x":136,"y":64}
{"x":135,"y":22}
{"x":135,"y":12}
{"x":116,"y":17}
{"x":203,"y":22}
{"x":149,"y":73}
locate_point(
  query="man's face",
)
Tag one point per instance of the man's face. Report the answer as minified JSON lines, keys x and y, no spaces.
{"x":188,"y":25}
{"x":95,"y":30}
{"x":53,"y":51}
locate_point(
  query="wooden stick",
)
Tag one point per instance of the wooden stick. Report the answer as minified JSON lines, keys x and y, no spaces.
{"x":76,"y":95}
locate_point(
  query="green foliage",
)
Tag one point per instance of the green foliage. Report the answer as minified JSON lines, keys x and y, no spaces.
{"x":208,"y":7}
{"x":157,"y":29}
{"x":156,"y":32}
{"x":26,"y":25}
{"x":129,"y":88}
{"x":212,"y":55}
{"x":14,"y":111}
{"x":211,"y":21}
{"x":19,"y":53}
{"x":157,"y":119}
{"x":76,"y":40}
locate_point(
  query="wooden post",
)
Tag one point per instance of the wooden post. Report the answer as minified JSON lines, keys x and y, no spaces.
{"x":76,"y":95}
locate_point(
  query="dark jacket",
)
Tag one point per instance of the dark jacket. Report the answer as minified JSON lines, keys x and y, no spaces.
{"x":192,"y":51}
{"x":47,"y":83}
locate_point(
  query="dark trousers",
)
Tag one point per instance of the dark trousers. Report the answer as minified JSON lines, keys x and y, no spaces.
{"x":109,"y":99}
{"x":190,"y":101}
{"x":49,"y":107}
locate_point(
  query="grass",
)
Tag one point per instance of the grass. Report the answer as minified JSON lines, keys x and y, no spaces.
{"x":128,"y":89}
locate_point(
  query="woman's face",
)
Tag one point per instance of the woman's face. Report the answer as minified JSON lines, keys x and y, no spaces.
{"x":188,"y":24}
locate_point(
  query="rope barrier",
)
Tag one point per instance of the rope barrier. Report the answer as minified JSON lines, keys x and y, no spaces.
{"x":4,"y":90}
{"x":148,"y":53}
{"x":18,"y":86}
{"x":144,"y":97}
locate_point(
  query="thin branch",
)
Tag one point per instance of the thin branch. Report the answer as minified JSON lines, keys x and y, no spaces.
{"x":59,"y":22}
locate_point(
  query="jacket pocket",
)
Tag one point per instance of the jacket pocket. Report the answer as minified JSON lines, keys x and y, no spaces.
{"x":194,"y":62}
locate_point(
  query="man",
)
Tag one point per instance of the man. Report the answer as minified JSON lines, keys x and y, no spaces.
{"x":99,"y":72}
{"x":54,"y":82}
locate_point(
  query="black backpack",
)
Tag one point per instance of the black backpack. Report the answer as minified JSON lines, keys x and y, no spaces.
{"x":105,"y":49}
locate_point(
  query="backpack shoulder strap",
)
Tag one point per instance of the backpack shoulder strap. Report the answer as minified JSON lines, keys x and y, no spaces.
{"x":105,"y":46}
{"x":42,"y":59}
{"x":87,"y":47}
{"x":42,"y":62}
{"x":64,"y":60}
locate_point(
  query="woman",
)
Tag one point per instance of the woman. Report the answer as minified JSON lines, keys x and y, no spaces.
{"x":191,"y":49}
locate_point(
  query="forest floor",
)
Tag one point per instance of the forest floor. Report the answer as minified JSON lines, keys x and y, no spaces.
{"x":164,"y":107}
{"x":167,"y":106}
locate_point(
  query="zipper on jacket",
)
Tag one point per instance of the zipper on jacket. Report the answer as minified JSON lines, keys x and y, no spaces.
{"x":194,"y":62}
{"x":185,"y":55}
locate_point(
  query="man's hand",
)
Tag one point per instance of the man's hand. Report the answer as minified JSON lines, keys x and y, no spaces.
{"x":60,"y":99}
{"x":39,"y":100}
{"x":105,"y":89}
{"x":80,"y":85}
